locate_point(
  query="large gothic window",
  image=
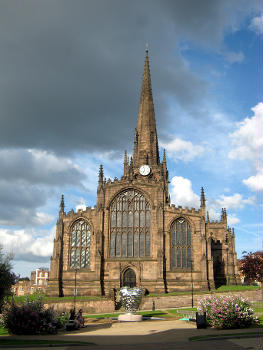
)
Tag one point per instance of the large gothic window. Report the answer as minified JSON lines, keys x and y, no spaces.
{"x":130,"y":225}
{"x":180,"y":244}
{"x":80,"y":245}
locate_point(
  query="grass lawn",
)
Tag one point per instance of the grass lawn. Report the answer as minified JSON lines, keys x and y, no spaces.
{"x":33,"y":297}
{"x":102,"y":315}
{"x":3,"y":331}
{"x":258,"y":306}
{"x":235,"y":288}
{"x":156,"y":313}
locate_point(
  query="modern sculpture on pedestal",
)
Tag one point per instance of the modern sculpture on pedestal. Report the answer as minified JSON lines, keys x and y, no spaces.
{"x":130,"y":300}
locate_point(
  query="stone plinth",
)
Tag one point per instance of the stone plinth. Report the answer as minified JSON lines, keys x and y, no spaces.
{"x":130,"y":318}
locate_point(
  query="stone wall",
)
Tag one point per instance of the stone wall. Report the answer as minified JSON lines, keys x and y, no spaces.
{"x":186,"y":300}
{"x":107,"y":305}
{"x":88,"y":306}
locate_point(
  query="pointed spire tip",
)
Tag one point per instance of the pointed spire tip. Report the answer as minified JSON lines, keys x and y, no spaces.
{"x":62,"y":204}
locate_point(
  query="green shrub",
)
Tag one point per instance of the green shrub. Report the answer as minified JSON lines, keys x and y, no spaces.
{"x":22,"y":320}
{"x":227,"y":311}
{"x":62,"y":319}
{"x":30,"y":318}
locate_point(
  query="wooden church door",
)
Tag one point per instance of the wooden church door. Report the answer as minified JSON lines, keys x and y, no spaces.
{"x":129,"y":278}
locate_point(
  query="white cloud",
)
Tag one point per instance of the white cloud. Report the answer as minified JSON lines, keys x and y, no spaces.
{"x":179,"y":149}
{"x":248,"y":138}
{"x":248,"y":141}
{"x":26,"y":245}
{"x":81,"y":205}
{"x":236,"y":201}
{"x":232,"y":220}
{"x":256,"y":24}
{"x":43,"y":219}
{"x":182,"y":193}
{"x":233,"y":202}
{"x":255,"y":183}
{"x":214,"y":212}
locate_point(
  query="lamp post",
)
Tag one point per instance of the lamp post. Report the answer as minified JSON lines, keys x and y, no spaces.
{"x":75,"y":288}
{"x":192,"y":285}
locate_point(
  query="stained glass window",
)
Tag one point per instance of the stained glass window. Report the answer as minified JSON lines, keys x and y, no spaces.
{"x":130,"y":225}
{"x":80,"y":245}
{"x":180,"y":244}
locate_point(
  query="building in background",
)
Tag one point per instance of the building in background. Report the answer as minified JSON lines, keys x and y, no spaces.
{"x":37,"y":284}
{"x":39,"y":279}
{"x":134,"y":236}
{"x":22,"y":288}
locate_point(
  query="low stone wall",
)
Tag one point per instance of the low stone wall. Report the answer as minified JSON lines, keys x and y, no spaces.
{"x":107,"y":305}
{"x":186,"y":300}
{"x":88,"y":306}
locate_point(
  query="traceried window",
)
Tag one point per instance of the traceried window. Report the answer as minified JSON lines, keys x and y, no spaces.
{"x":80,"y":245}
{"x":130,"y":225}
{"x":180,"y":244}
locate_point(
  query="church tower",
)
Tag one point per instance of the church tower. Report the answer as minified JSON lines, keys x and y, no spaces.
{"x":133,"y":236}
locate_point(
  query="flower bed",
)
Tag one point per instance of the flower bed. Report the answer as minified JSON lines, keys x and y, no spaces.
{"x":31,"y":318}
{"x":226,"y":312}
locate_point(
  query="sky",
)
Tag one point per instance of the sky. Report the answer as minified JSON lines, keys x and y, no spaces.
{"x":70,"y":80}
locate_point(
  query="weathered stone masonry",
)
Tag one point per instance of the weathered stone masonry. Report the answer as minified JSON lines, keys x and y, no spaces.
{"x":134,"y":235}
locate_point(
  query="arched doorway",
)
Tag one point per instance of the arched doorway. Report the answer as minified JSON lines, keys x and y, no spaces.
{"x":129,"y":278}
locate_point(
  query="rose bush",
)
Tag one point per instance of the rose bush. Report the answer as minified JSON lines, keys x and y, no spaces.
{"x":30,"y":318}
{"x":227,"y":311}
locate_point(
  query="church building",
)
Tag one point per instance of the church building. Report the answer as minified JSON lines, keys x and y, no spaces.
{"x":134,"y":236}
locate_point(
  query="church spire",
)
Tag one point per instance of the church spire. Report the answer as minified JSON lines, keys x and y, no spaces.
{"x":145,"y":138}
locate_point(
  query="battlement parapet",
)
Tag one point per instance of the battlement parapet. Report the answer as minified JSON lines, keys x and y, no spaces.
{"x":185,"y":210}
{"x":72,"y":212}
{"x":214,"y":222}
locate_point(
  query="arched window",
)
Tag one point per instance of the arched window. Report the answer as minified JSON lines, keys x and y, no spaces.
{"x":80,"y":245}
{"x":180,"y":244}
{"x":130,"y":225}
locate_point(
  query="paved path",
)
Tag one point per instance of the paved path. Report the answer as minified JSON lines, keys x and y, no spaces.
{"x":151,"y":335}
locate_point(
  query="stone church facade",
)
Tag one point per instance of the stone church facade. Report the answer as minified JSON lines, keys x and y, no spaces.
{"x":134,"y":235}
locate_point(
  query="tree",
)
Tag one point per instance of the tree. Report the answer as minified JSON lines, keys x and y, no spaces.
{"x":7,"y":277}
{"x":24,"y":279}
{"x":252,"y":267}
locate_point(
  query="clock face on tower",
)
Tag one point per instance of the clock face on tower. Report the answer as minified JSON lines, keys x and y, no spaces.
{"x":145,"y":170}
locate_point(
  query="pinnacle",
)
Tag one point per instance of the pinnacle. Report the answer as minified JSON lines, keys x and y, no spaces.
{"x":164,"y":155}
{"x":202,"y":197}
{"x":101,"y":174}
{"x":62,"y":204}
